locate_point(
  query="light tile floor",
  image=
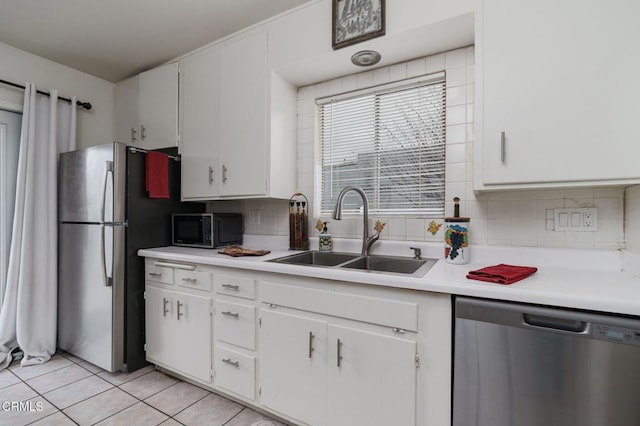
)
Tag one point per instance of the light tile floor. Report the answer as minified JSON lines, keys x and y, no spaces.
{"x":69,"y":391}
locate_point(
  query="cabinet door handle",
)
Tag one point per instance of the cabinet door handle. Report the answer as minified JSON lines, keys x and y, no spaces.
{"x":503,"y":143}
{"x":133,"y":135}
{"x":231,"y":286}
{"x":210,"y":175}
{"x":165,"y":301}
{"x":142,"y":130}
{"x":231,"y":314}
{"x":311,"y":336}
{"x":339,"y":347}
{"x":178,"y":305}
{"x":189,"y":280}
{"x":233,"y":363}
{"x":224,"y":174}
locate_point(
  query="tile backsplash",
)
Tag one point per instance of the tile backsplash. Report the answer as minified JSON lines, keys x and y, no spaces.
{"x":512,"y":218}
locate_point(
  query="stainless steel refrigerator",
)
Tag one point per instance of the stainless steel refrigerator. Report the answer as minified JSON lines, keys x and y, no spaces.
{"x":105,"y":216}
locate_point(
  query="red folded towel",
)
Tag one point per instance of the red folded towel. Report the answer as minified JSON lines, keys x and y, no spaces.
{"x":157,"y":175}
{"x":502,"y":274}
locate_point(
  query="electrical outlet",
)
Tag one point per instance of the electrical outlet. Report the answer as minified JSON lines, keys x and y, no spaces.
{"x":579,"y":219}
{"x":587,"y":221}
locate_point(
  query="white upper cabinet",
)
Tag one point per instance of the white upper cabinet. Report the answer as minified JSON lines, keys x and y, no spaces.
{"x":238,"y":123}
{"x":199,"y":124}
{"x":556,"y":94}
{"x":243,"y":115}
{"x":159,"y":107}
{"x":146,"y":108}
{"x":126,"y":114}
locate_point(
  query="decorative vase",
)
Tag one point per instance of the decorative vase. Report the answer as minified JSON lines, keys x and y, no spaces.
{"x":456,"y":240}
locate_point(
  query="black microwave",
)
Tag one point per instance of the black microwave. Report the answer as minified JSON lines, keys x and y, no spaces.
{"x":206,"y":230}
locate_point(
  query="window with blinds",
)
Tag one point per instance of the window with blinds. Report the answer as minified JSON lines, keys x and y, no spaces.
{"x":390,"y":141}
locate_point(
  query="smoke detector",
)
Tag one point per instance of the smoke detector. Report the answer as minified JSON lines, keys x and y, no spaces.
{"x":365,"y":58}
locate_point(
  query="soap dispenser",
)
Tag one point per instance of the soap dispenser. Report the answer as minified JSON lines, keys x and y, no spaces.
{"x":325,"y":243}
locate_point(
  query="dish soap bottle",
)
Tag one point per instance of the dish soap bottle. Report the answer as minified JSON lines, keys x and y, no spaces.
{"x":325,"y":243}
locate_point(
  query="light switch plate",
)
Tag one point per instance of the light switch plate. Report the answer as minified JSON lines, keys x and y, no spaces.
{"x":253,"y":217}
{"x":578,"y":219}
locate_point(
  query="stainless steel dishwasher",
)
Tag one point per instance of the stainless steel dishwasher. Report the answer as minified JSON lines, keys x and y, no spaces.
{"x":523,"y":365}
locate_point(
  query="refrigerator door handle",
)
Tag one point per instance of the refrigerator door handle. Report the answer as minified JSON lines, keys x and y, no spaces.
{"x":108,"y":168}
{"x":106,"y":280}
{"x":103,"y":256}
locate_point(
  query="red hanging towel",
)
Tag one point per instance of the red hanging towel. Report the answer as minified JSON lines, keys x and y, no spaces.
{"x":502,"y":274}
{"x":157,"y":174}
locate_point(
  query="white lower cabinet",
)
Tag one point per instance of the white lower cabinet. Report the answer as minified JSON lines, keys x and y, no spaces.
{"x":330,"y":357}
{"x":311,"y":351}
{"x":293,"y":365}
{"x":178,"y":331}
{"x":371,"y":378}
{"x":327,"y":374}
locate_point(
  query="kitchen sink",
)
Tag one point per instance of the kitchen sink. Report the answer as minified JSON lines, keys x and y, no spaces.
{"x":391,"y":264}
{"x":373,"y":263}
{"x":317,"y":258}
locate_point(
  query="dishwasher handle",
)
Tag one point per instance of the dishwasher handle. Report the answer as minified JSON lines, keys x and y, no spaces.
{"x":556,"y":324}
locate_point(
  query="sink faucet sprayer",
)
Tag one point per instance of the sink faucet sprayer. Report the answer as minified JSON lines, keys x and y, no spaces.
{"x":367,"y":241}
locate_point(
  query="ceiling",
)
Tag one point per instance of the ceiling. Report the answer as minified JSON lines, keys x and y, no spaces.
{"x":116,"y":39}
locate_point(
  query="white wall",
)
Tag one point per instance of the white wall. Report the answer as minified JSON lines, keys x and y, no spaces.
{"x":95,"y":126}
{"x":300,"y":42}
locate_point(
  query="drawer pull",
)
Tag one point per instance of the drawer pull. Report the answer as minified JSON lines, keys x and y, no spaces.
{"x":231,"y":314}
{"x":233,"y":363}
{"x":185,"y":266}
{"x":155,"y":274}
{"x":165,"y":301}
{"x":190,"y":280}
{"x":178,"y":305}
{"x":398,"y":330}
{"x":231,"y":286}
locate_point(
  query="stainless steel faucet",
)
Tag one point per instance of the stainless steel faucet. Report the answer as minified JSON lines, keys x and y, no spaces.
{"x":367,"y":241}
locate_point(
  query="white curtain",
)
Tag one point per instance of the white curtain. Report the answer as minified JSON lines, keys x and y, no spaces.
{"x":28,"y":318}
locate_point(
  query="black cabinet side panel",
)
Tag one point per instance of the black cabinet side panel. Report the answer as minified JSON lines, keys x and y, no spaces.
{"x":148,"y":225}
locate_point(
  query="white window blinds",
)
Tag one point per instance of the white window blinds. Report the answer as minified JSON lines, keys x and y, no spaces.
{"x":391,"y":143}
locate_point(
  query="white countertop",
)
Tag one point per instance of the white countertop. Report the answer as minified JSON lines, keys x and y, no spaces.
{"x":582,"y":279}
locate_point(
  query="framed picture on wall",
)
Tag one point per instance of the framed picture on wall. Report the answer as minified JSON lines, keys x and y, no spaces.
{"x":356,"y":20}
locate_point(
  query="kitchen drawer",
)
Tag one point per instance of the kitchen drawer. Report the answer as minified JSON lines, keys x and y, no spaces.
{"x":161,"y":274}
{"x":194,"y":279}
{"x":235,"y":286}
{"x":235,"y":372}
{"x":235,"y":323}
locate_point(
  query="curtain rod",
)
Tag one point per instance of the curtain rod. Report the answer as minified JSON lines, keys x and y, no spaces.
{"x":84,"y":105}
